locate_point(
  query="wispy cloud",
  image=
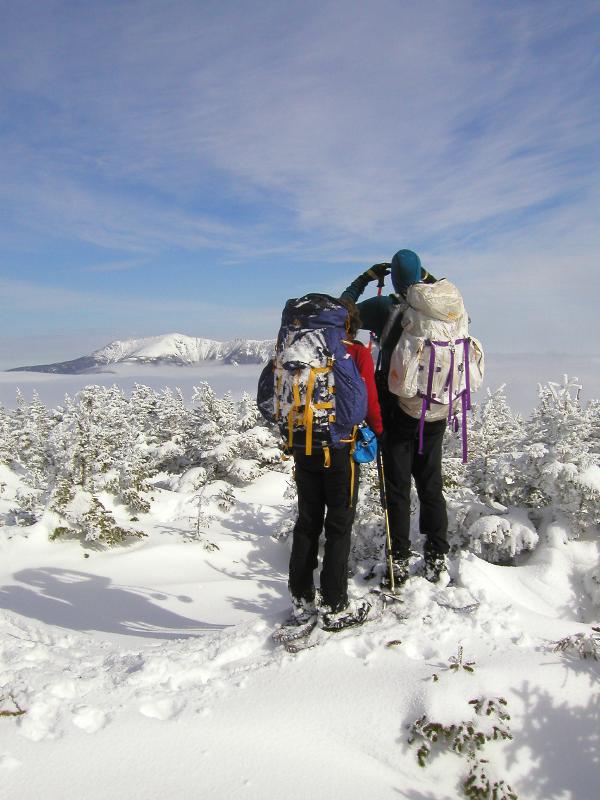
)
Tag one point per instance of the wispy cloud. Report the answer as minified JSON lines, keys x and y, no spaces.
{"x":311,"y":132}
{"x":386,"y":118}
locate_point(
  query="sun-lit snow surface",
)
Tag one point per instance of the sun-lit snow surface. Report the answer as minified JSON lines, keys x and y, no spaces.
{"x":184,"y":350}
{"x":149,"y":672}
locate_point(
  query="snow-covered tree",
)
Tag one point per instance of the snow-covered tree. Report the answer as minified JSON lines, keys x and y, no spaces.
{"x":496,"y":444}
{"x":556,"y":458}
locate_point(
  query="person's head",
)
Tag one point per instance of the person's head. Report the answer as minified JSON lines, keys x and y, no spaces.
{"x":406,"y":270}
{"x":353,"y":322}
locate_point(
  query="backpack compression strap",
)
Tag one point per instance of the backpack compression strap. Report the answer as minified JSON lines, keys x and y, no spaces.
{"x":465,"y":395}
{"x":309,"y":407}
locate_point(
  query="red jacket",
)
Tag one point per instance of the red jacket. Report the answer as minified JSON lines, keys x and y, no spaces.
{"x":362,"y":358}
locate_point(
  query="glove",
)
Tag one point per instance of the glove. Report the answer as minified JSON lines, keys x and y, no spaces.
{"x":377,"y":271}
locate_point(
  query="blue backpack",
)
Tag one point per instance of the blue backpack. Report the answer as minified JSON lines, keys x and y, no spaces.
{"x":312,"y":388}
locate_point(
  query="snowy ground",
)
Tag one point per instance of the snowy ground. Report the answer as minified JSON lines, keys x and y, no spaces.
{"x":521,"y":373}
{"x":149,"y":672}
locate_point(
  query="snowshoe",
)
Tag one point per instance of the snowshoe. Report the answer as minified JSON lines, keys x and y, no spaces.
{"x":310,"y":639}
{"x":355,"y":613}
{"x":293,"y":630}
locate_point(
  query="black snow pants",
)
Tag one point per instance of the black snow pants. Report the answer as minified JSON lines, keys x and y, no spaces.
{"x":326,"y":496}
{"x":401,"y":460}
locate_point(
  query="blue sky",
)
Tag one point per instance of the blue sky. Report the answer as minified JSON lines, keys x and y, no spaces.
{"x":188,"y":165}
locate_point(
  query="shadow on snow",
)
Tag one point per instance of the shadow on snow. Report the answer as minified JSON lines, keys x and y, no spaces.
{"x":80,"y":601}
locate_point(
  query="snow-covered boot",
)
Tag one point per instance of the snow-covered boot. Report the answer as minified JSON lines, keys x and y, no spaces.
{"x":435,"y":569}
{"x":354,"y":613}
{"x":303,"y":610}
{"x":401,"y":570}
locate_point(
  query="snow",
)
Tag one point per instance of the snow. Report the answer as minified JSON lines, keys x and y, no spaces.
{"x":187,"y":349}
{"x":148,"y":671}
{"x":591,"y":477}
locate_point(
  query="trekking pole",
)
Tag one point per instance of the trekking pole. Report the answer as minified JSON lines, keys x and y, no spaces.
{"x":380,"y":284}
{"x":388,"y":537}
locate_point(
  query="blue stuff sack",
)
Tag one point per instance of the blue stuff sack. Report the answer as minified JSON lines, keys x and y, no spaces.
{"x":365,"y":449}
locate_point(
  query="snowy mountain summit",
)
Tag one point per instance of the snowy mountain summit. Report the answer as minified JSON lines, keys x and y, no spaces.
{"x":171,"y":348}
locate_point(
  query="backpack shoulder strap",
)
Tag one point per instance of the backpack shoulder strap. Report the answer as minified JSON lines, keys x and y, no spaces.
{"x":393,"y":327}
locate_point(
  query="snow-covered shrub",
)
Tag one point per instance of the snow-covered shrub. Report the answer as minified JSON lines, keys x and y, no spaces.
{"x":554,"y":469}
{"x":498,"y":539}
{"x":591,"y":583}
{"x":9,"y":706}
{"x":87,"y":518}
{"x":102,"y":441}
{"x":468,"y":739}
{"x":495,"y":441}
{"x":586,"y":645}
{"x":226,"y":436}
{"x":163,"y":420}
{"x":290,"y":511}
{"x":243,"y":470}
{"x":592,"y":414}
{"x":7,"y":449}
{"x":27,"y":431}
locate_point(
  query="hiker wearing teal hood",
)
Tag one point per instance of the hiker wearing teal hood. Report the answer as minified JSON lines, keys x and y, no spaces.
{"x":399,"y":446}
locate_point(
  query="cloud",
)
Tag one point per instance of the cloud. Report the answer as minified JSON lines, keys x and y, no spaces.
{"x":384,"y":123}
{"x":30,"y":307}
{"x":308,"y":134}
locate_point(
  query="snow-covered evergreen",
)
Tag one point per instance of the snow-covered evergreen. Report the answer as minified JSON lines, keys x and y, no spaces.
{"x":93,"y":463}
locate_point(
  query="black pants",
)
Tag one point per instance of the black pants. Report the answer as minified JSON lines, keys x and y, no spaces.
{"x":323,"y":498}
{"x":401,"y":460}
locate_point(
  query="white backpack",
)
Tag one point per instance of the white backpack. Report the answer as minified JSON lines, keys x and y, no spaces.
{"x":436,"y":362}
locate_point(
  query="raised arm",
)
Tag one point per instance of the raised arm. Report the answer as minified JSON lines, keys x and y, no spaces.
{"x":374,"y":311}
{"x":375,"y":273}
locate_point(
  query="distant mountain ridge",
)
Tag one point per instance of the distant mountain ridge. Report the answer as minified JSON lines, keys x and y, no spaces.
{"x":172,"y":348}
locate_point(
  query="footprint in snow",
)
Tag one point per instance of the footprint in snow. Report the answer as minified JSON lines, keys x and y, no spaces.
{"x":89,"y":719}
{"x":8,"y":762}
{"x":41,"y":720}
{"x":167,"y":708}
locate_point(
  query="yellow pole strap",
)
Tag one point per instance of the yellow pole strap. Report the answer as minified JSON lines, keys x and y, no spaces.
{"x":351,"y":481}
{"x":296,"y":389}
{"x":295,"y":405}
{"x":352,"y":463}
{"x":308,"y":411}
{"x":354,"y":436}
{"x":291,"y":427}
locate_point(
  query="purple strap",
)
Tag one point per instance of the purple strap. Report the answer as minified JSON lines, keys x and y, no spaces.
{"x":450,"y":385}
{"x":467,"y":342}
{"x":422,"y":425}
{"x":463,"y":432}
{"x":430,"y":376}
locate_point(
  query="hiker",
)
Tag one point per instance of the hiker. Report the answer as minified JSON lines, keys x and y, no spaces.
{"x":413,"y":426}
{"x":325,"y":472}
